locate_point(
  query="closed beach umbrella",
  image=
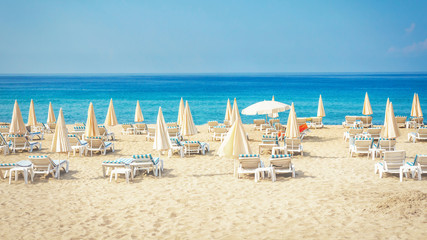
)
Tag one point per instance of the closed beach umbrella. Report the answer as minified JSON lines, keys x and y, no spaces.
{"x":161,"y":139}
{"x":60,"y":141}
{"x":236,"y":142}
{"x":138,"y":113}
{"x":228,"y":111}
{"x":50,"y":114}
{"x":386,"y":109}
{"x":32,"y":120}
{"x":273,"y":99}
{"x":414,"y":110}
{"x":91,"y":123}
{"x":390,"y":129}
{"x":320,"y":109}
{"x":292,"y":130}
{"x":180,"y":112}
{"x":188,"y":127}
{"x":233,"y":111}
{"x":367,"y":109}
{"x":17,"y":125}
{"x":420,"y":113}
{"x":111,"y":119}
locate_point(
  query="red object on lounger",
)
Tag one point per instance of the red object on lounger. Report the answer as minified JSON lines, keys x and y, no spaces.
{"x":303,"y":127}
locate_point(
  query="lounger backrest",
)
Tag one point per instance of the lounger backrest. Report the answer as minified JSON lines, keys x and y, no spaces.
{"x":277,"y":126}
{"x":293,"y":143}
{"x":273,"y":121}
{"x":51,"y":125}
{"x":212,"y":123}
{"x":400,"y":119}
{"x":143,"y":158}
{"x":192,"y":144}
{"x":422,"y":131}
{"x":41,"y":161}
{"x":102,"y":131}
{"x":350,"y":119}
{"x":421,"y":160}
{"x":363,"y":143}
{"x":141,"y":126}
{"x":74,"y":141}
{"x":3,"y":141}
{"x":227,"y":123}
{"x":175,"y":142}
{"x":220,"y":129}
{"x":18,"y":140}
{"x":418,"y":120}
{"x":366,"y":119}
{"x":394,"y":159}
{"x":385,"y":143}
{"x":374,"y":131}
{"x":173,"y":130}
{"x":95,"y":142}
{"x":301,"y":121}
{"x":249,"y":160}
{"x":281,"y":161}
{"x":354,"y":131}
{"x":172,"y":124}
{"x":79,"y":128}
{"x":258,"y":122}
{"x":316,"y":119}
{"x":4,"y":129}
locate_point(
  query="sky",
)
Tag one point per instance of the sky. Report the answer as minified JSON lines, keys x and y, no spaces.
{"x":212,"y":36}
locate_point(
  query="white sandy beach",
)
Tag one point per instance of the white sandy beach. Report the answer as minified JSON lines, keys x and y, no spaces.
{"x":332,"y":197}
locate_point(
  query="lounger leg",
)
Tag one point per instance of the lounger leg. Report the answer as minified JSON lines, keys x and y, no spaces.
{"x":401,"y":174}
{"x":10,"y":177}
{"x":419,"y":173}
{"x":111,"y":176}
{"x":26,"y":176}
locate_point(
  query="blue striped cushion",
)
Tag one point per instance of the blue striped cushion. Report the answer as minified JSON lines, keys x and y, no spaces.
{"x":79,"y":128}
{"x":356,"y":128}
{"x":220,"y":127}
{"x":94,"y":137}
{"x":248,"y":155}
{"x":7,"y":164}
{"x":142,"y":156}
{"x":101,"y":126}
{"x":192,"y":142}
{"x":386,"y":139}
{"x":281,"y":156}
{"x":38,"y":156}
{"x":120,"y":161}
{"x":363,"y":138}
{"x":2,"y":126}
{"x":16,"y":135}
{"x":72,"y":135}
{"x":177,"y":142}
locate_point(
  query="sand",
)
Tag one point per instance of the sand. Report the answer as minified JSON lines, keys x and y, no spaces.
{"x":332,"y":197}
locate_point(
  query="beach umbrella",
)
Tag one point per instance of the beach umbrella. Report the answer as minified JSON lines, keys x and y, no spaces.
{"x":292,"y":130}
{"x":266,"y":107}
{"x":320,"y":109}
{"x":420,"y":113}
{"x":188,"y":127}
{"x":367,"y":109}
{"x":180,"y":112}
{"x":235,"y":143}
{"x":138,"y":113}
{"x":60,"y":141}
{"x":111,"y":119}
{"x":273,"y":115}
{"x":390,"y":129}
{"x":91,"y":129}
{"x":32,"y":120}
{"x":386,"y":109}
{"x":161,"y":139}
{"x":50,"y":115}
{"x":233,"y":111}
{"x":228,"y":111}
{"x":273,"y":99}
{"x":414,"y":110}
{"x":17,"y":125}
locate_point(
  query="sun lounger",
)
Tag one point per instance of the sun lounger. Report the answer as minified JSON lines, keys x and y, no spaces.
{"x":20,"y":142}
{"x":219,"y":133}
{"x":391,"y":163}
{"x":419,"y":165}
{"x":97,"y":144}
{"x":361,"y":146}
{"x":353,"y":132}
{"x":103,"y":131}
{"x":415,"y":122}
{"x":147,"y":162}
{"x":50,"y":127}
{"x":273,"y":121}
{"x":172,"y":124}
{"x":77,"y":144}
{"x":268,"y":142}
{"x":316,"y":122}
{"x":281,"y":164}
{"x":43,"y":164}
{"x":294,"y":145}
{"x":227,"y":123}
{"x":195,"y":147}
{"x":128,"y":129}
{"x":24,"y":167}
{"x":349,"y":121}
{"x":116,"y":167}
{"x":78,"y":130}
{"x":211,"y":125}
{"x":420,"y":134}
{"x":366,"y":121}
{"x":174,"y":132}
{"x":258,"y":123}
{"x":384,"y":144}
{"x":373,"y":133}
{"x":79,"y":124}
{"x":4,"y":129}
{"x":401,"y":121}
{"x":140,"y":128}
{"x":4,"y":145}
{"x":151,"y":133}
{"x":176,"y":146}
{"x":248,"y":164}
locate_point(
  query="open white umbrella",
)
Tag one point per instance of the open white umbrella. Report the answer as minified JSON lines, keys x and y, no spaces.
{"x":17,"y":125}
{"x":161,"y":139}
{"x":228,"y":111}
{"x":60,"y":141}
{"x":51,"y":114}
{"x":273,"y":115}
{"x":138,"y":113}
{"x":180,"y":113}
{"x":111,"y":119}
{"x":320,"y":108}
{"x":292,"y":130}
{"x":265,"y":107}
{"x":91,"y":129}
{"x":367,"y":109}
{"x":188,"y":127}
{"x":32,"y":120}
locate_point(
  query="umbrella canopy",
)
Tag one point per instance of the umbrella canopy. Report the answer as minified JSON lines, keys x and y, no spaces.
{"x":273,"y":115}
{"x":272,"y":99}
{"x":390,"y":129}
{"x":416,"y":107}
{"x":60,"y":141}
{"x":161,"y":139}
{"x":266,"y":107}
{"x":234,"y":111}
{"x":420,"y":113}
{"x":91,"y":123}
{"x":111,"y":119}
{"x":367,"y":109}
{"x":32,"y":120}
{"x":236,"y":142}
{"x":292,"y":130}
{"x":320,"y":109}
{"x":50,"y":114}
{"x":180,"y":112}
{"x":228,"y":111}
{"x":188,"y":127}
{"x":17,"y":125}
{"x":386,"y":109}
{"x":138,"y":113}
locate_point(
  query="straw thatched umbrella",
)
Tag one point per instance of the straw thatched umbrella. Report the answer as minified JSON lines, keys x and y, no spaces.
{"x":111,"y":119}
{"x":180,"y":113}
{"x":390,"y":129}
{"x":17,"y":125}
{"x":292,"y":130}
{"x":32,"y":120}
{"x":320,"y":108}
{"x":138,"y":113}
{"x":367,"y":109}
{"x":50,"y":114}
{"x":91,"y":129}
{"x":161,"y":139}
{"x":188,"y":127}
{"x":60,"y":141}
{"x":228,"y":111}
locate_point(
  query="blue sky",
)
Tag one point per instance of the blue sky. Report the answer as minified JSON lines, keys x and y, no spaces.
{"x":212,"y":36}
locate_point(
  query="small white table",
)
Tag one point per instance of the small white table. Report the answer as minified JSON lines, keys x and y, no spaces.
{"x":262,"y":171}
{"x":16,"y":170}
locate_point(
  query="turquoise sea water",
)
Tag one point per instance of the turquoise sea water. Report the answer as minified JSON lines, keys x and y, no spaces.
{"x":342,"y":94}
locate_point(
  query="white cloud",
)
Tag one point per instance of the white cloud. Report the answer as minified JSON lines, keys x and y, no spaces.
{"x":410,"y":28}
{"x":414,"y":47}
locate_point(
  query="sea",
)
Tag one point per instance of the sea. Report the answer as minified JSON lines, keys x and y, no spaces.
{"x":342,"y":93}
